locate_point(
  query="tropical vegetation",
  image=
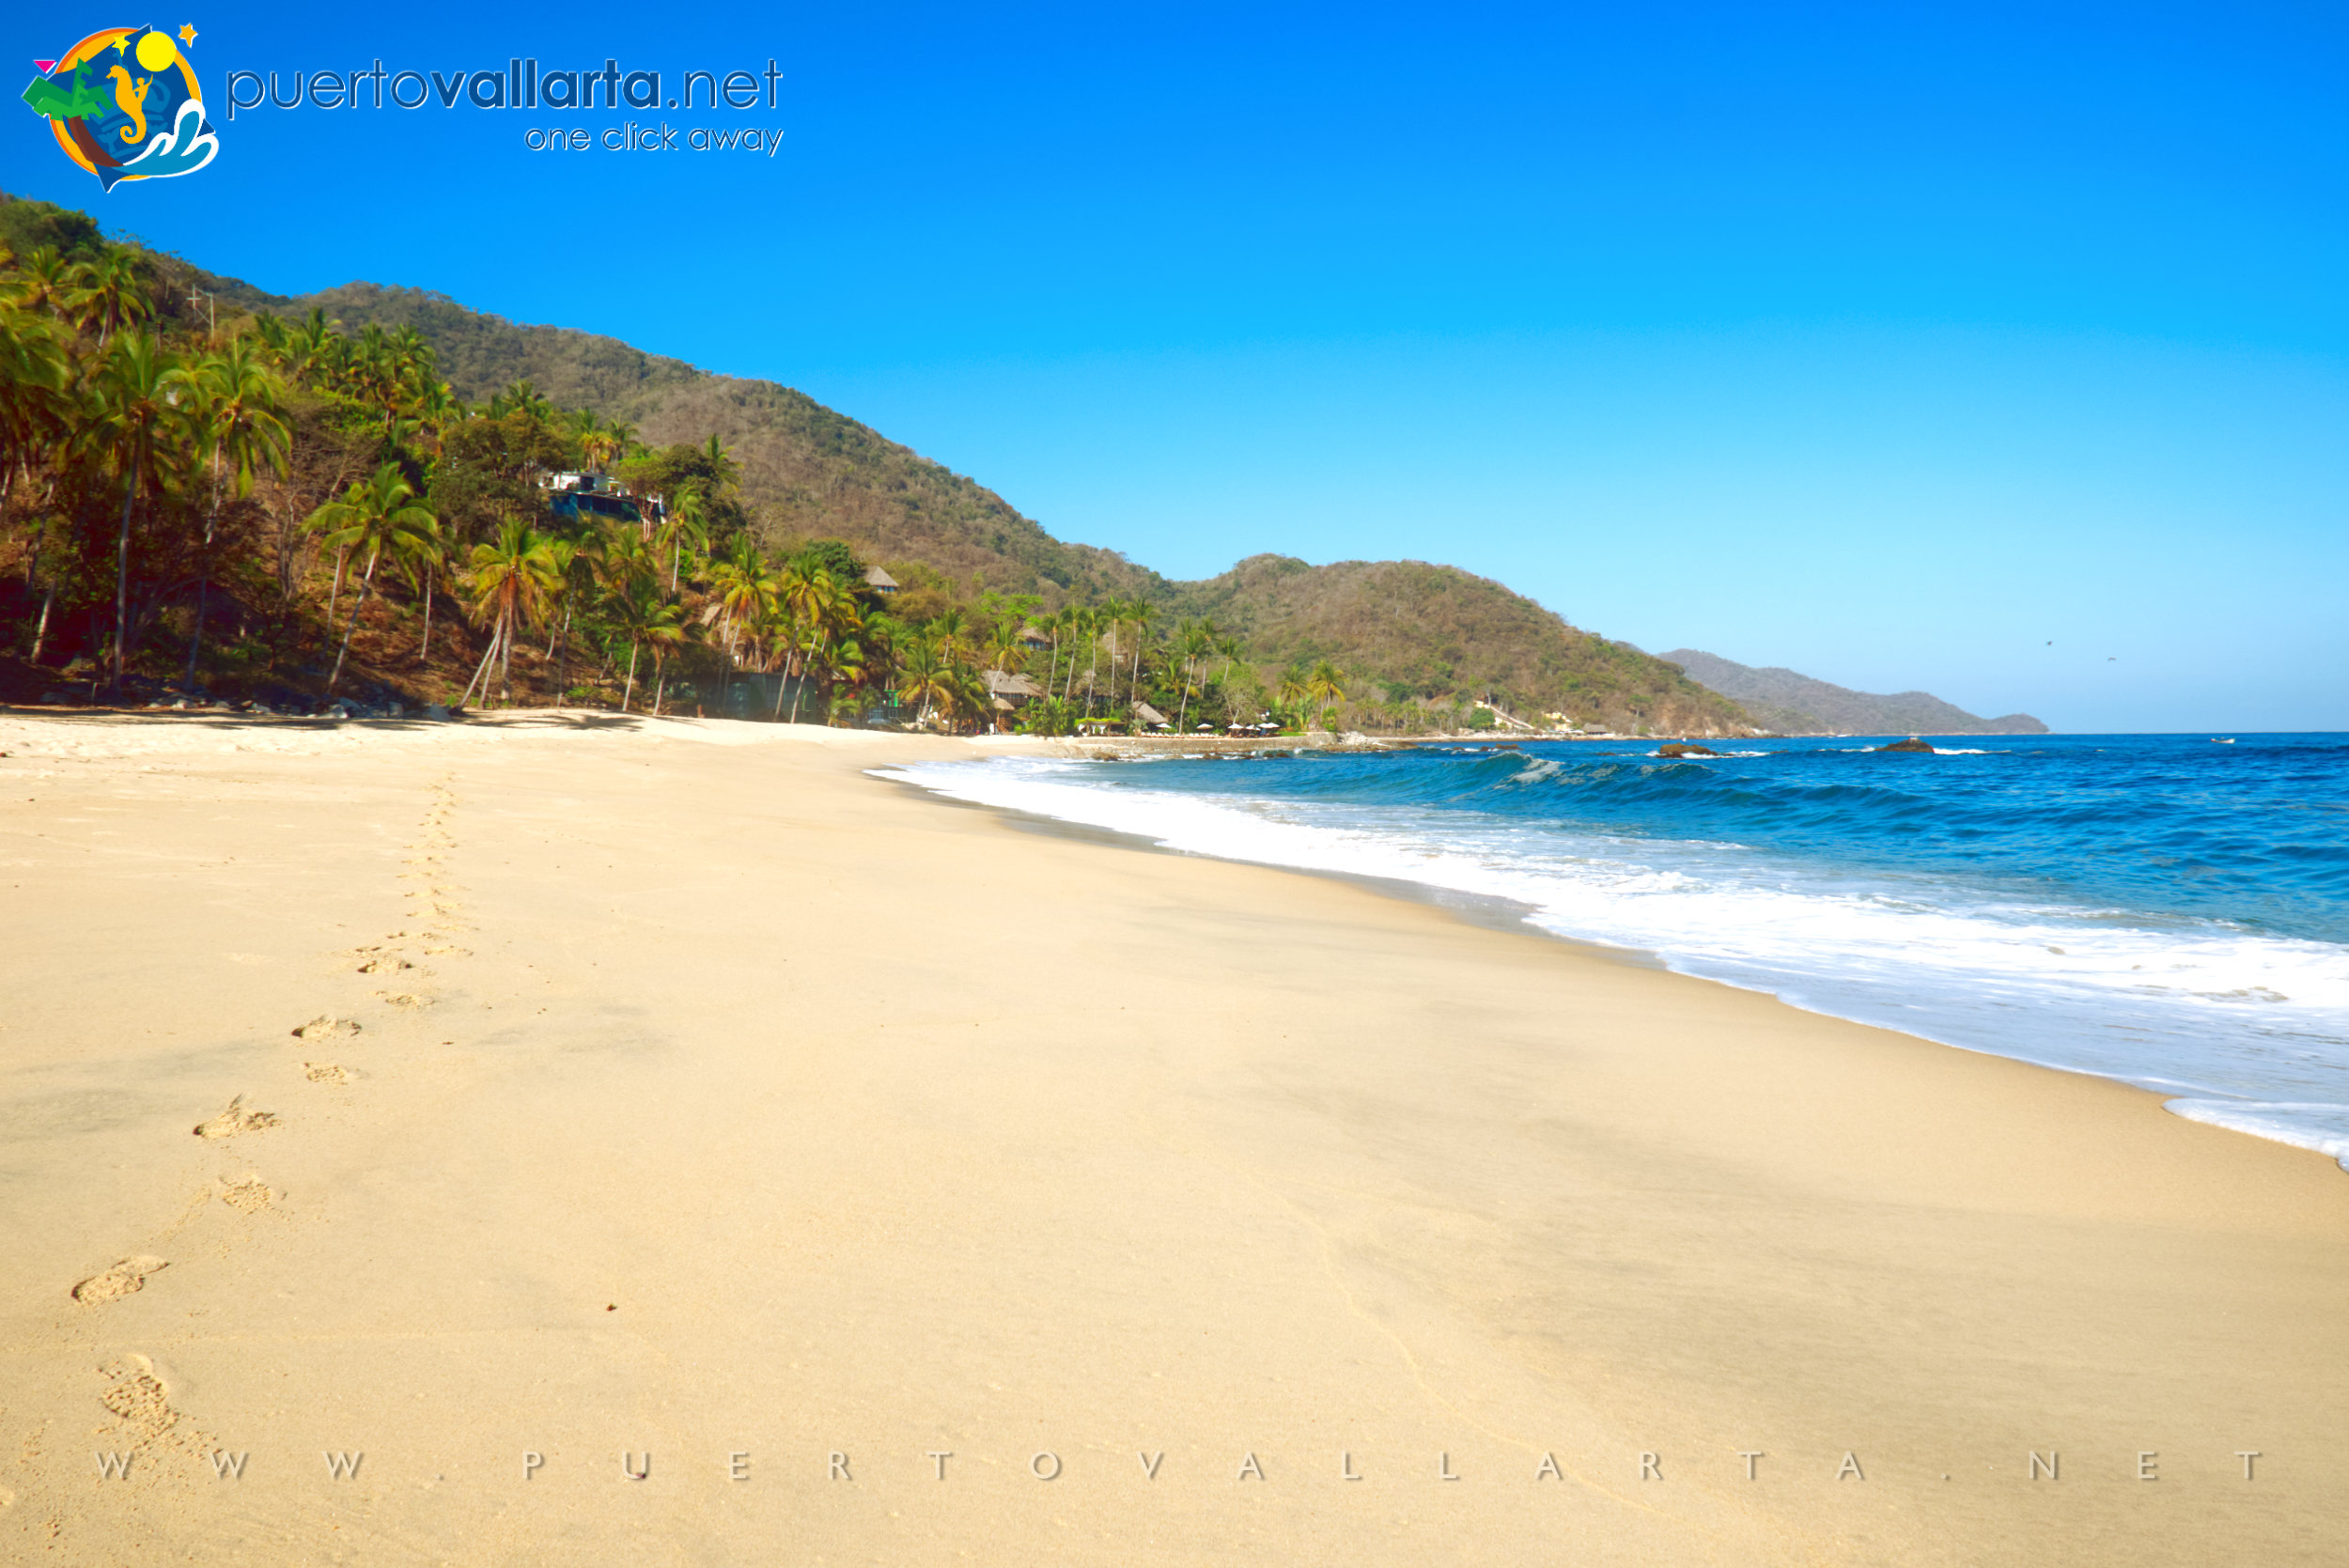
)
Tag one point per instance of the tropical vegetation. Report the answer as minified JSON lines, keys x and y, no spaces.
{"x":209,"y":494}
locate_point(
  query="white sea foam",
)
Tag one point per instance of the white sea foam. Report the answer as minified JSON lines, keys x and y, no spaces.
{"x":2247,"y":1032}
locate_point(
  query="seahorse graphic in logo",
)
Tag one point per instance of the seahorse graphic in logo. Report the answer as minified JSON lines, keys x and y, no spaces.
{"x":131,"y":96}
{"x":124,"y":104}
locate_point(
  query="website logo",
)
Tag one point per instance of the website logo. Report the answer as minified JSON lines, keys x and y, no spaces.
{"x":124,"y":104}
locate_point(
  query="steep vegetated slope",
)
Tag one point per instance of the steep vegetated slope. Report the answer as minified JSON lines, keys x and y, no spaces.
{"x":1412,"y":633}
{"x":807,"y":472}
{"x":1792,"y":703}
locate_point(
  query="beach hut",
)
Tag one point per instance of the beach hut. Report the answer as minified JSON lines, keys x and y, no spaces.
{"x":1009,"y":693}
{"x":879,"y":581}
{"x":1033,"y":640}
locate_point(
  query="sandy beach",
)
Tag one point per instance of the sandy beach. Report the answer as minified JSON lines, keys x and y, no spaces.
{"x":701,"y":1150}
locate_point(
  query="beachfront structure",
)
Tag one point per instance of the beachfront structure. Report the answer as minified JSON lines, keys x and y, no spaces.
{"x":879,"y":581}
{"x":1033,"y":640}
{"x":1009,"y":693}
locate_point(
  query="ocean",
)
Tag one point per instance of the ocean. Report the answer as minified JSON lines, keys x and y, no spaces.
{"x":2165,"y":910}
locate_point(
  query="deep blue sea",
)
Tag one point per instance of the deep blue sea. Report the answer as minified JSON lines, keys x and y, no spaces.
{"x":2163,"y":910}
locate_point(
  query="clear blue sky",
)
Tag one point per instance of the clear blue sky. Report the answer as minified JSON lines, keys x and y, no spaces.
{"x":1887,"y":343}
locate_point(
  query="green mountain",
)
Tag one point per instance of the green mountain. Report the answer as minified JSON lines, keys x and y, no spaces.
{"x":1791,"y":704}
{"x":1405,"y":634}
{"x":1416,"y":632}
{"x":807,"y":472}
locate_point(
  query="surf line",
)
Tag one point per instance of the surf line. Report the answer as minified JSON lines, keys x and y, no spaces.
{"x":633,"y":137}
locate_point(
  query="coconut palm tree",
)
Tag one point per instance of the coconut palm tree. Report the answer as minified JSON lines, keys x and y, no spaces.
{"x":421,"y":563}
{"x":1139,"y":613}
{"x":724,"y":471}
{"x":376,"y":516}
{"x":951,"y":629}
{"x":925,"y":678}
{"x":1195,"y":641}
{"x":34,"y":414}
{"x":817,"y":610}
{"x":33,"y":384}
{"x":44,"y":282}
{"x":745,"y":598}
{"x":136,"y":398}
{"x":510,"y":581}
{"x":687,"y":523}
{"x":1005,"y":649}
{"x":241,"y":404}
{"x":1325,"y":686}
{"x":638,"y":613}
{"x":108,"y":293}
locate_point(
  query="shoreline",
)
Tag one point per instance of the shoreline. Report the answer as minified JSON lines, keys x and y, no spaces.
{"x":2205,"y":1106}
{"x":739,"y":1106}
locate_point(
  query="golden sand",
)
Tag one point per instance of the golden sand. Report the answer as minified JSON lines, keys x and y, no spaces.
{"x":688,"y":1148}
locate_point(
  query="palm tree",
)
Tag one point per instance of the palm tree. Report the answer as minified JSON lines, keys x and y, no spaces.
{"x":242,"y":408}
{"x":426,"y":558}
{"x":33,"y":381}
{"x":687,"y":523}
{"x":845,"y":662}
{"x":1006,"y":648}
{"x":1291,"y":694}
{"x":33,"y":409}
{"x":108,"y":293}
{"x":1139,"y":614}
{"x":376,"y":517}
{"x":746,"y":596}
{"x":816,"y":609}
{"x":724,"y":471}
{"x":510,"y":578}
{"x":1325,"y":686}
{"x":136,"y":398}
{"x":952,"y":631}
{"x":640,"y":613}
{"x":1109,"y":617}
{"x":1058,"y":622}
{"x":44,"y":282}
{"x":1091,"y":622}
{"x":1195,"y":641}
{"x":925,"y":678}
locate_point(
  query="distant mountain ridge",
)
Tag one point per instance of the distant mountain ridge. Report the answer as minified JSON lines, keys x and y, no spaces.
{"x":1787,"y":702}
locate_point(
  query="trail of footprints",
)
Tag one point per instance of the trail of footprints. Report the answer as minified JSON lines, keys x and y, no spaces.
{"x":135,"y":1391}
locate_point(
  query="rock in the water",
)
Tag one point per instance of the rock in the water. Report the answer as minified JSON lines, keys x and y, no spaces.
{"x":1684,"y":749}
{"x":1911,"y":744}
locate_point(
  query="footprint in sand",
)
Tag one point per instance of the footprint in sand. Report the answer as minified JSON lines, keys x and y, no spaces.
{"x":234,"y":1120}
{"x":325,"y":1072}
{"x":326,"y":1026}
{"x":447,"y":953}
{"x":125,"y":1278}
{"x":138,"y":1394}
{"x":403,"y":998}
{"x":247,"y":1194}
{"x":388,"y":964}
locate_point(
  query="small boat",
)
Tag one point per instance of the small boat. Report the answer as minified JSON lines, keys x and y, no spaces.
{"x":2215,"y":741}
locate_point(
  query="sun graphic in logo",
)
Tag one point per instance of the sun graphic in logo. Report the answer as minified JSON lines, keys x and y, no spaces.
{"x":124,"y":104}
